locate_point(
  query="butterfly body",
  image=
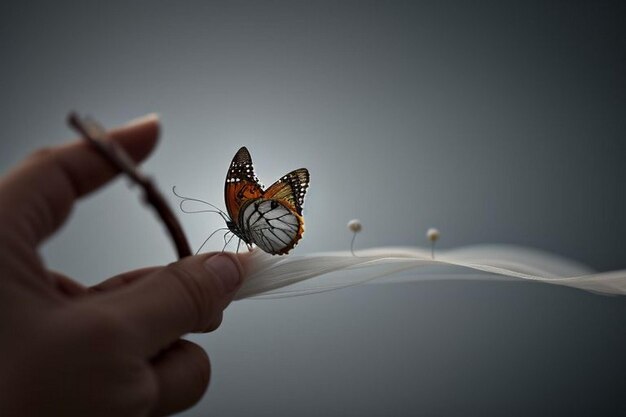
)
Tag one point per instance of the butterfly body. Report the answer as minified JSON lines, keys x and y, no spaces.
{"x":272,"y":218}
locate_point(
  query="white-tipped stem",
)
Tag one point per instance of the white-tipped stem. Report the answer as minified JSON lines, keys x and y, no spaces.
{"x":433,"y":235}
{"x":355,"y":227}
{"x":352,"y":244}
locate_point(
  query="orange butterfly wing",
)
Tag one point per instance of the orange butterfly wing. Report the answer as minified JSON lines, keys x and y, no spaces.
{"x":290,"y":188}
{"x":241,"y":183}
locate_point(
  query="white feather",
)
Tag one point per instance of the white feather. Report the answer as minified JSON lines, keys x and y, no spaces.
{"x":273,"y":276}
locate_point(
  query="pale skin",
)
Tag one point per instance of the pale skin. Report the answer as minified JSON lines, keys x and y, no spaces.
{"x":114,"y":349}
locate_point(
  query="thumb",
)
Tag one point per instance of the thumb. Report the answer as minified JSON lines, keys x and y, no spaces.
{"x":183,"y":297}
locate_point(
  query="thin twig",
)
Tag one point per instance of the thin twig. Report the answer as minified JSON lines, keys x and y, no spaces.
{"x":96,"y":136}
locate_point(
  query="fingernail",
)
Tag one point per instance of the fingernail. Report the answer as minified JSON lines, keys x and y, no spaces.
{"x":151,"y":117}
{"x":226,"y":270}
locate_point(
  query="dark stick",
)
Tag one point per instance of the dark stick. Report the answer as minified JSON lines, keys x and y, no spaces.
{"x":96,"y":136}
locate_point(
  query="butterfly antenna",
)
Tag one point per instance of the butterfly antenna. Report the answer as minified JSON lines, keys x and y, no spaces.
{"x":207,"y":239}
{"x":185,"y":199}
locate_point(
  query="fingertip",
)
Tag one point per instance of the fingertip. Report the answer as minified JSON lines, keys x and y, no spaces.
{"x":149,"y":118}
{"x":239,"y":263}
{"x":226,"y":271}
{"x":246,"y":261}
{"x":239,"y":259}
{"x":139,"y":136}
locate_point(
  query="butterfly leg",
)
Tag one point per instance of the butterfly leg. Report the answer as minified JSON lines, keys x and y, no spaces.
{"x":227,"y":241}
{"x":238,"y":244}
{"x":208,"y":238}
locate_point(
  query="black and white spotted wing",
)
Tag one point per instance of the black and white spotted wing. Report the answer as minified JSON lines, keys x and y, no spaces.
{"x":271,"y":224}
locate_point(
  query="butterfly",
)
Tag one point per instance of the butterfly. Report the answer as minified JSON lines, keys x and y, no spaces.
{"x":272,"y":218}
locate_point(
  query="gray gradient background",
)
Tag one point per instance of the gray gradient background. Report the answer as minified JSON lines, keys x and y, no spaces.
{"x":496,"y":122}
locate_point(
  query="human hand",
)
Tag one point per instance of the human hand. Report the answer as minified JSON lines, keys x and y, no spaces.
{"x":109,"y":350}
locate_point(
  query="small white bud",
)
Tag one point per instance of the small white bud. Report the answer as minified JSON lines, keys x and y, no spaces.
{"x":354,"y":225}
{"x":432,"y":234}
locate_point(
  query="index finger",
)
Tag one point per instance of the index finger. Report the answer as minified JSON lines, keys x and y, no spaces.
{"x":183,"y":297}
{"x":38,"y":195}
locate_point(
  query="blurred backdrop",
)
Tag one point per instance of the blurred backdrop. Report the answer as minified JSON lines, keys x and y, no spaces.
{"x":496,"y":122}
